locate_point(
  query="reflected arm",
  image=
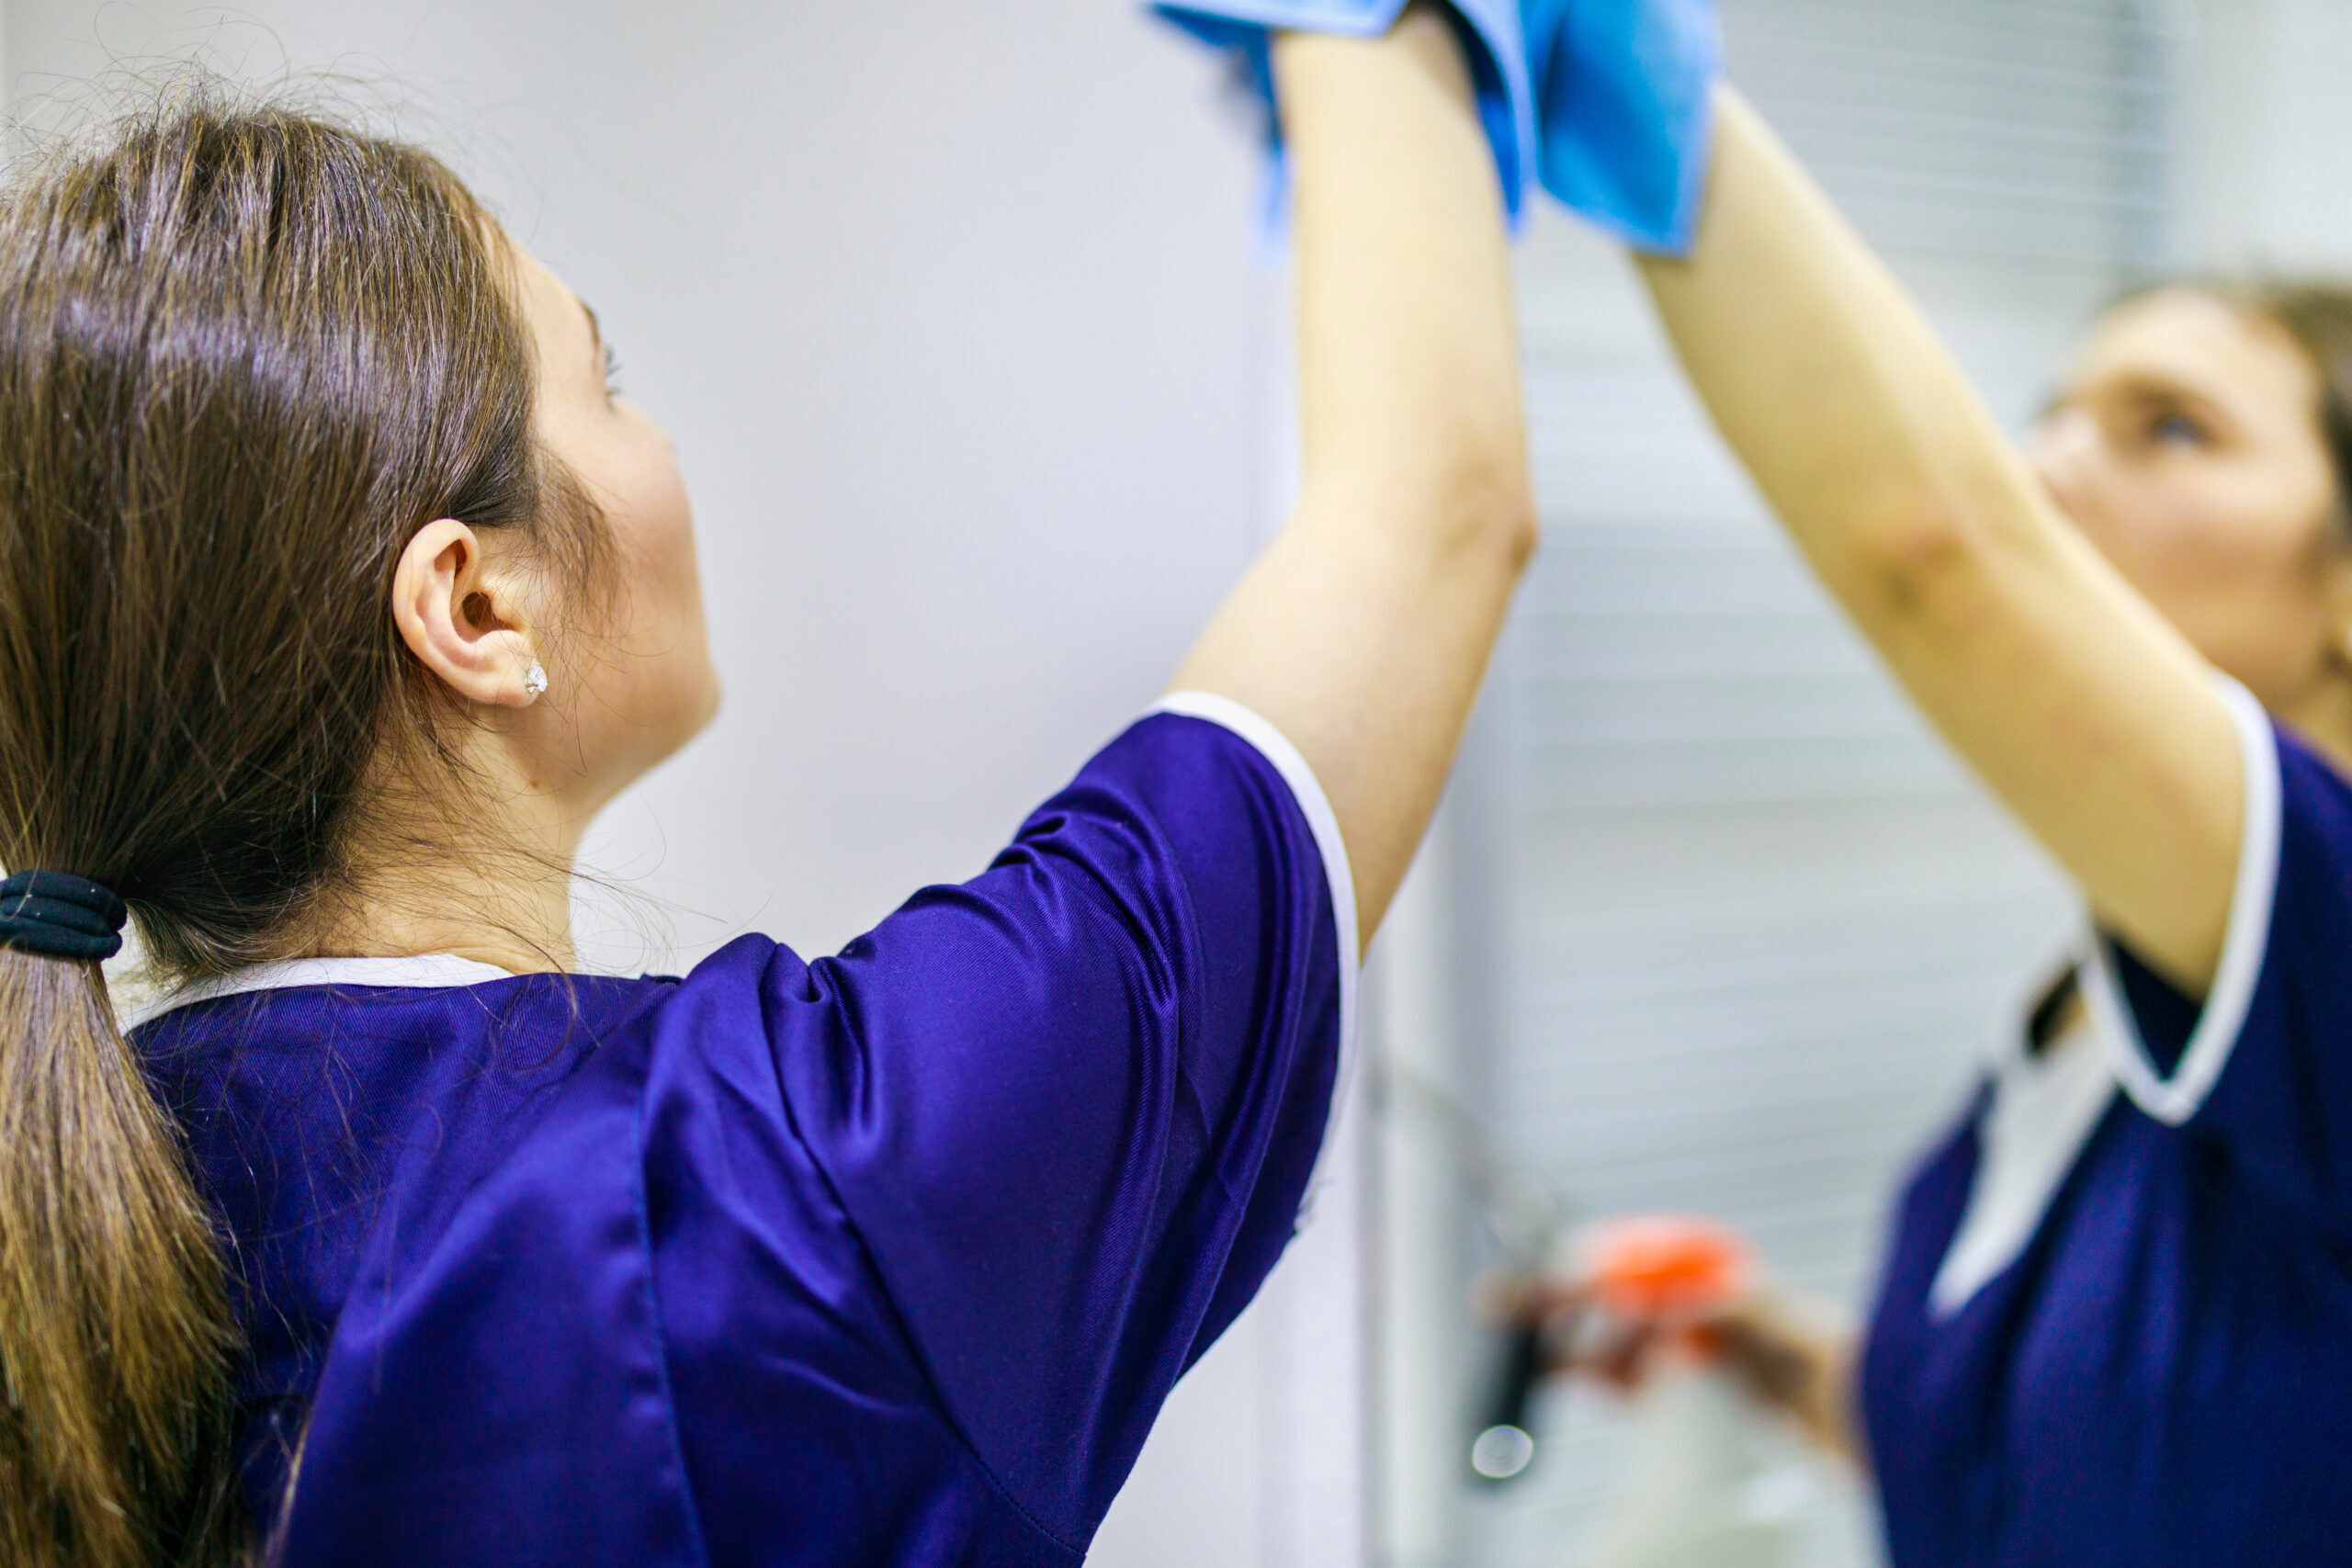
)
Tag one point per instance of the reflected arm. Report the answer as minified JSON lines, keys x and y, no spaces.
{"x":2089,"y":715}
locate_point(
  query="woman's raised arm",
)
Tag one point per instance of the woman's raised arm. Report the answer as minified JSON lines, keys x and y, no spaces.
{"x":2083,"y":709}
{"x":1363,"y":631}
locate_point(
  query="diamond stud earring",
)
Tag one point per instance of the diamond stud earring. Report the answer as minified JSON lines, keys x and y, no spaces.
{"x":535,"y":680}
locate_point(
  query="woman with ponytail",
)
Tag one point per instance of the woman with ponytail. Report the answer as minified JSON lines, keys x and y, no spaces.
{"x":338,"y":591}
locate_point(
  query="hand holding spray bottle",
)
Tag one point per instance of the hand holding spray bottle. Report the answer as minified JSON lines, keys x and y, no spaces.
{"x":1716,"y":1480}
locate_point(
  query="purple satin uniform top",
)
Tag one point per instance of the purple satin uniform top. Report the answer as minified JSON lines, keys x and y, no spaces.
{"x":887,"y":1257}
{"x":2153,"y":1368}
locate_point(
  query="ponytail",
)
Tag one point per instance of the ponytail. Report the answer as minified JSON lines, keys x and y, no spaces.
{"x":244,"y":354}
{"x":115,"y":1335}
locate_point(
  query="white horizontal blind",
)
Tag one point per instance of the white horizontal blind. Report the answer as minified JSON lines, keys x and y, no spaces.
{"x":1759,"y":919}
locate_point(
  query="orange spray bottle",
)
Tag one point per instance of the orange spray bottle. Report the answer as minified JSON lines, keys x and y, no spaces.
{"x":1713,"y":1481}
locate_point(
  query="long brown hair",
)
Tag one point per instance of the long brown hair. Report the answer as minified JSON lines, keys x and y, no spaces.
{"x":244,"y":354}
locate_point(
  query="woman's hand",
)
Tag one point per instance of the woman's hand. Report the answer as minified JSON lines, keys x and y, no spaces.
{"x":1793,"y":1353}
{"x":1647,"y":1288}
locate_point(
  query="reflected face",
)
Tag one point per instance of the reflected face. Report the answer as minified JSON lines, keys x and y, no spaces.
{"x":2186,"y":446}
{"x":641,"y":684}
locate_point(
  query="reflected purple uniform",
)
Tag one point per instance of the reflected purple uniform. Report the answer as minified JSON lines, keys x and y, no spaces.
{"x":889,"y":1258}
{"x":2160,"y":1371}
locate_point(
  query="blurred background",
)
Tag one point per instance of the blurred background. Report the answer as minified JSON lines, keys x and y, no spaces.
{"x":978,"y":376}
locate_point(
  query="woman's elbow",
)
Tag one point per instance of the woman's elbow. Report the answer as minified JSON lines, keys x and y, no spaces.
{"x":1508,"y":525}
{"x":1913,"y":566}
{"x":1471,"y":512}
{"x":1491,"y":509}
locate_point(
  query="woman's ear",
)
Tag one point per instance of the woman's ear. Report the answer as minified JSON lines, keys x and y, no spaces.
{"x":463,"y":619}
{"x":2336,"y":586}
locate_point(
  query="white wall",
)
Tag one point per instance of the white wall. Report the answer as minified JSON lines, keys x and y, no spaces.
{"x":949,"y":310}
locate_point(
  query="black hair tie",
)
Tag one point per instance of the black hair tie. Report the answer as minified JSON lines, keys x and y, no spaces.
{"x":58,"y":915}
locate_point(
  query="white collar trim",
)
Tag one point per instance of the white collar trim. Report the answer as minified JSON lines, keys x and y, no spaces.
{"x":428,"y":971}
{"x":2042,"y":1111}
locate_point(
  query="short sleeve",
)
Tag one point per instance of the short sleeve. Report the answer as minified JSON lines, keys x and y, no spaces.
{"x":1073,"y":1107}
{"x":2264,"y":1062}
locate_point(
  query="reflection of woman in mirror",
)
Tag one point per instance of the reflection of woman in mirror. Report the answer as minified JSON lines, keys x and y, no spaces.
{"x":2116,"y":1321}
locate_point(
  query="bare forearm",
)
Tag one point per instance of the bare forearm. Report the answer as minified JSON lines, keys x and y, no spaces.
{"x":1408,"y":366}
{"x":2089,"y":714}
{"x":1823,"y":376}
{"x":1364,"y":632}
{"x":1798,"y":1357}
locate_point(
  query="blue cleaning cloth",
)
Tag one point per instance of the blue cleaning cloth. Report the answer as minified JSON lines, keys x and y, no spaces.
{"x":1491,"y":32}
{"x":1606,"y":102}
{"x":1624,"y":106}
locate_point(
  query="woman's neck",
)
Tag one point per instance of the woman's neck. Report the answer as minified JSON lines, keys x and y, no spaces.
{"x":2323,"y":717}
{"x":520,"y":923}
{"x":485,"y":874}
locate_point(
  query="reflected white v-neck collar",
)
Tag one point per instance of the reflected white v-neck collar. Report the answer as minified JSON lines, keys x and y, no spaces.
{"x":428,"y":971}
